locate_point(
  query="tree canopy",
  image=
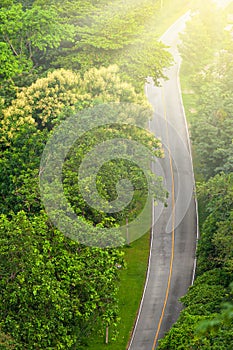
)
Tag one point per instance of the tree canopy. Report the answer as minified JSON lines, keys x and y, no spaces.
{"x":58,"y":59}
{"x":54,"y":291}
{"x":37,"y":36}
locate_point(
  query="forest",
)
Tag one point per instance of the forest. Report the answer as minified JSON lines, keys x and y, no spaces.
{"x":59,"y":59}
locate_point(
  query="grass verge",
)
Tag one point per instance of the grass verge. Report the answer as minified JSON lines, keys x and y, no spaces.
{"x":131,"y":285}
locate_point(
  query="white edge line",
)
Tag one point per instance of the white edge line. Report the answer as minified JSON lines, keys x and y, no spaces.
{"x":148,"y":265}
{"x":194,"y":182}
{"x":147,"y":279}
{"x":195,"y":199}
{"x":189,"y":145}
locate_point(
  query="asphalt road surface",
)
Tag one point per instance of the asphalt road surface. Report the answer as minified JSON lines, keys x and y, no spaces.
{"x":174,"y":234}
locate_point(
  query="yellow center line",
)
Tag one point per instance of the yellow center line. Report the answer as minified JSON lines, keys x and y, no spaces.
{"x":173,"y":229}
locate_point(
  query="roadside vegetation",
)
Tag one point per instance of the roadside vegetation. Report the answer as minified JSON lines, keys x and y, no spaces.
{"x":56,"y":59}
{"x":207,"y":50}
{"x":131,"y":284}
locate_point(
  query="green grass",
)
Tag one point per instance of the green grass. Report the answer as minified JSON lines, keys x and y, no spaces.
{"x":131,"y":286}
{"x":131,"y":283}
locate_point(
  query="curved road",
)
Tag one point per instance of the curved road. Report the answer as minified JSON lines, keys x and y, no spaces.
{"x":174,"y":234}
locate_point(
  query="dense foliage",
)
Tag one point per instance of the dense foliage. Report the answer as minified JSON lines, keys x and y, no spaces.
{"x":37,"y":36}
{"x":26,"y":231}
{"x":65,"y":289}
{"x":58,"y":58}
{"x":207,"y":319}
{"x":213,"y":123}
{"x":37,"y":109}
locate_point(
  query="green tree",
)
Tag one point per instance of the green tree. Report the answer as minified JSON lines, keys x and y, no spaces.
{"x":27,"y":124}
{"x":54,"y":292}
{"x":111,"y":33}
{"x":202,"y":312}
{"x":203,"y":37}
{"x":37,"y":109}
{"x":215,"y":200}
{"x":43,"y":101}
{"x":220,"y":327}
{"x":25,"y":36}
{"x":112,"y":172}
{"x":211,"y":127}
